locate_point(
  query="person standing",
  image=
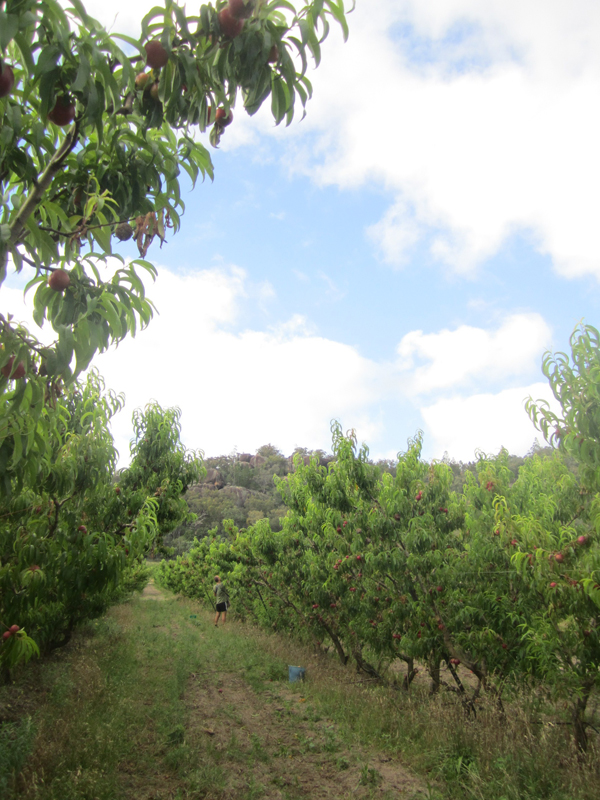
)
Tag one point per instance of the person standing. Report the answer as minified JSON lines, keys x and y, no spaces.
{"x":222,"y":598}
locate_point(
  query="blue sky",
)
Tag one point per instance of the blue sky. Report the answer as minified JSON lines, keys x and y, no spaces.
{"x":402,"y":258}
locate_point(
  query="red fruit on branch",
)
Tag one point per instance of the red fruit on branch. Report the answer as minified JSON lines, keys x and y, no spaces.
{"x":419,"y":495}
{"x":240,"y":9}
{"x":358,"y":558}
{"x":141,"y":80}
{"x":352,"y":588}
{"x":14,"y":629}
{"x":581,"y":539}
{"x":82,"y":529}
{"x":559,"y":557}
{"x":397,"y":517}
{"x":224,"y":119}
{"x":316,"y":605}
{"x":59,"y":280}
{"x":440,"y":627}
{"x":156,"y":55}
{"x":6,"y":635}
{"x":124,"y":231}
{"x":14,"y":373}
{"x":63,"y":112}
{"x":553,"y":584}
{"x":455,"y":661}
{"x":7,"y":80}
{"x":439,"y":588}
{"x":514,"y":542}
{"x":489,"y":486}
{"x":230,"y":26}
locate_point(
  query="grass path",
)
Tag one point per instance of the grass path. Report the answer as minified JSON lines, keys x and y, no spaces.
{"x":154,"y":703}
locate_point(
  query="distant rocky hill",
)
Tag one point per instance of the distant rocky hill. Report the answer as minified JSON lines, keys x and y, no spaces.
{"x":240,"y":487}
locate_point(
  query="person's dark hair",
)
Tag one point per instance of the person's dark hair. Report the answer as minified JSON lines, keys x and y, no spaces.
{"x":217,"y":579}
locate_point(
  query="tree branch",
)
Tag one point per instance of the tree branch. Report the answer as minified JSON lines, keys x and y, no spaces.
{"x":54,"y":166}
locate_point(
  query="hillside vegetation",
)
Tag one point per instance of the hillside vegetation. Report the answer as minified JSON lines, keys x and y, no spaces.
{"x":241,"y":487}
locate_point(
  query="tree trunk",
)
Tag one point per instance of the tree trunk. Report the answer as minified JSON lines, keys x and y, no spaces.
{"x":337,"y":644}
{"x":577,"y":715}
{"x":410,"y":671}
{"x":362,"y":665}
{"x":433,"y":667}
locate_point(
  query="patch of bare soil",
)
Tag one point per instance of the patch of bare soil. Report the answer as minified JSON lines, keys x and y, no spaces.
{"x":150,"y":592}
{"x":276,"y":743}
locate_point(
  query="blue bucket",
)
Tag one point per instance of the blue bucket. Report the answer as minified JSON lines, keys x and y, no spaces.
{"x":296,"y":674}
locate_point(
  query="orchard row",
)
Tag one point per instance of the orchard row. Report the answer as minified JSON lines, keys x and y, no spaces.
{"x":73,"y":539}
{"x":499,"y":579}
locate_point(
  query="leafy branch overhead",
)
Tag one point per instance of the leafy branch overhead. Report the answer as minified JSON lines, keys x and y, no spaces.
{"x":97,"y":132}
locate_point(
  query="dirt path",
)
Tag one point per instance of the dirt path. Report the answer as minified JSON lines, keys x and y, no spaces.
{"x":288,"y":749}
{"x":152,"y":702}
{"x":150,"y":592}
{"x":274,"y":744}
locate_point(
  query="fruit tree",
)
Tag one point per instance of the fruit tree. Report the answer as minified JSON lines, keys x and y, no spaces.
{"x":97,"y":132}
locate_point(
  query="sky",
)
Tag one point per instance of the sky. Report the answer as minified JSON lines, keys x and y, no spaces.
{"x":402,"y":258}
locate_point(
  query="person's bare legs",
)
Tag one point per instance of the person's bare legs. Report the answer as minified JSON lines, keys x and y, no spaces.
{"x":224,"y":617}
{"x":217,"y":615}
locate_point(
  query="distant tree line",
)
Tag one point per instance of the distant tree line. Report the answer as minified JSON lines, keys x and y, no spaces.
{"x":240,"y":487}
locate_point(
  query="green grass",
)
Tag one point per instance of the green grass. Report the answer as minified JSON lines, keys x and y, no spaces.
{"x":110,"y":716}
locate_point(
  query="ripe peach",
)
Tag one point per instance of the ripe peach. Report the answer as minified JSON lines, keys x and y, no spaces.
{"x":156,"y":55}
{"x":230,"y":26}
{"x":7,"y":80}
{"x":63,"y":112}
{"x":59,"y":280}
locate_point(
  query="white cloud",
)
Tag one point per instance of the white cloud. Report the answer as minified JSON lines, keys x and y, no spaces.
{"x":239,"y":388}
{"x":493,"y":132}
{"x":284,"y":385}
{"x":480,"y":118}
{"x":459,"y":356}
{"x":462,"y":425}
